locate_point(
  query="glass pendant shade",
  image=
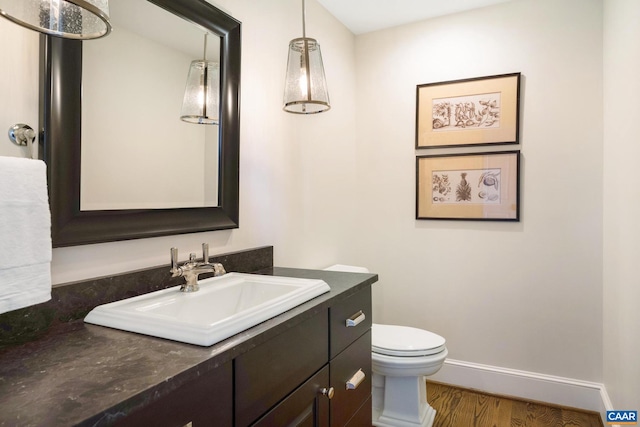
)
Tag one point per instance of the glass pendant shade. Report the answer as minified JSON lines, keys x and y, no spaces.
{"x":200,"y":104}
{"x":305,"y":87}
{"x":72,"y":19}
{"x":305,"y":90}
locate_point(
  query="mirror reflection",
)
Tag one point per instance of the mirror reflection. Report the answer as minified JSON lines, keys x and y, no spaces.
{"x":140,"y":155}
{"x":62,"y":146}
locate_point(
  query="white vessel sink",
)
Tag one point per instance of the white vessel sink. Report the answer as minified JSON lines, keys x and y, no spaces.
{"x":224,"y":306}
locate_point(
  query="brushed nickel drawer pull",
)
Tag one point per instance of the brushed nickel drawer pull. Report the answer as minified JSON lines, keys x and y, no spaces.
{"x":355,"y":380}
{"x":356,"y":319}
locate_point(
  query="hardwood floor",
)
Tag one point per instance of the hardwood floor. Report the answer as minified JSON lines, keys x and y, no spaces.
{"x":458,"y":407}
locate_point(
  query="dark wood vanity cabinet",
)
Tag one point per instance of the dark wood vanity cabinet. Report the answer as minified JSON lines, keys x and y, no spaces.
{"x":286,"y":380}
{"x":281,"y":382}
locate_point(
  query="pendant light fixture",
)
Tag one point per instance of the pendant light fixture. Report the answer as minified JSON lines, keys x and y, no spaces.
{"x":305,"y":87}
{"x":70,"y":19}
{"x":200,"y":103}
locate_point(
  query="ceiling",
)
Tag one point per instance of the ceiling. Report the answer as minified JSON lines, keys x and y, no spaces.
{"x":363,"y":16}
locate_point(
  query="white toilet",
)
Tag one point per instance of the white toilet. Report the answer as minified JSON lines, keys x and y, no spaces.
{"x":401,"y":358}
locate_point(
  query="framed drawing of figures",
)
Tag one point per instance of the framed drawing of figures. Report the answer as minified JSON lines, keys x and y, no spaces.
{"x":478,"y":111}
{"x":482,"y":186}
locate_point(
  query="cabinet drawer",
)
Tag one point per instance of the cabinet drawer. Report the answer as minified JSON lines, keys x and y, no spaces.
{"x":354,"y":363}
{"x":353,"y":309}
{"x":268,"y":373}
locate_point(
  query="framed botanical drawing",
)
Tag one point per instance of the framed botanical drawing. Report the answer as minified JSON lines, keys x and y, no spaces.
{"x":478,"y":111}
{"x":483,"y":186}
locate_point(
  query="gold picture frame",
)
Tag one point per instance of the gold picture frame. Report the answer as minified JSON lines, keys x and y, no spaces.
{"x":482,"y":186}
{"x":469,"y":112}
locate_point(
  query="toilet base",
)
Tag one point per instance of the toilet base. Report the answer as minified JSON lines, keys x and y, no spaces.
{"x":379,"y":421}
{"x":400,"y":402}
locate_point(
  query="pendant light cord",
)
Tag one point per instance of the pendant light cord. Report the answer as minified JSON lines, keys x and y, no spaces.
{"x":204,"y":56}
{"x":305,"y":53}
{"x":205,"y":77}
{"x":304,"y":13}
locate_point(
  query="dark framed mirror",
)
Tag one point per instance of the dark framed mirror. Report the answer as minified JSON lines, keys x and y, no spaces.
{"x":61,"y":142}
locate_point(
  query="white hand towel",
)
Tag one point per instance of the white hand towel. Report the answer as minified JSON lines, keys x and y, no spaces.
{"x":25,"y":234}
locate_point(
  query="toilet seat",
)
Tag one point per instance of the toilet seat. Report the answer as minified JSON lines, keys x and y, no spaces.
{"x":405,"y":341}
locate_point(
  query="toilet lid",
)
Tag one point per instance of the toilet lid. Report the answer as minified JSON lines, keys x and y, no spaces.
{"x":395,"y":340}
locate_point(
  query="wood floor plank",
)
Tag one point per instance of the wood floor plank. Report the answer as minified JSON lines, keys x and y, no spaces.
{"x":459,"y":407}
{"x":543,"y":416}
{"x":579,"y":419}
{"x":500,"y":414}
{"x":519,"y":415}
{"x":447,"y":400}
{"x":465,"y":413}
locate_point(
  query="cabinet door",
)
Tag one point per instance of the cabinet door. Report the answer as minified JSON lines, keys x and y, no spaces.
{"x":363,"y":416}
{"x":305,"y":407}
{"x":266,"y":374}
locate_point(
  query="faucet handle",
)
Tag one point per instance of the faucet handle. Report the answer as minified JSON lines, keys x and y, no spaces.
{"x":218,"y":269}
{"x":174,"y":259}
{"x":205,"y":253}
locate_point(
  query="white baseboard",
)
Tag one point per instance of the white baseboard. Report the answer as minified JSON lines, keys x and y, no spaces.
{"x":527,"y":385}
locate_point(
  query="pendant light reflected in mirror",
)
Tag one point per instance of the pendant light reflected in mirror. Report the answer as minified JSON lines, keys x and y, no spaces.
{"x":305,"y":87}
{"x":200,"y":104}
{"x":71,"y":19}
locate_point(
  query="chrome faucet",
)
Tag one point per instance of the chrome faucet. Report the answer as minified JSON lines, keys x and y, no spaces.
{"x":191,"y":269}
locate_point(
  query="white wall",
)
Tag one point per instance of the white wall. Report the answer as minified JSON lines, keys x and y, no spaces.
{"x":18,"y":83}
{"x":521,"y":295}
{"x":621,"y":203}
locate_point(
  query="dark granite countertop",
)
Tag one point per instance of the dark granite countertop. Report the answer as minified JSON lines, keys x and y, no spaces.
{"x":81,"y":374}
